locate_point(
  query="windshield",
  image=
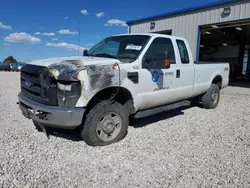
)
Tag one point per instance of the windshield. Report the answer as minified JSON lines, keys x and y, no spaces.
{"x":126,"y":48}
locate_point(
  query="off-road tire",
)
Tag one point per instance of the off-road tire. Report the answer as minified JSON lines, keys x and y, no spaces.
{"x":207,"y":98}
{"x":88,"y":128}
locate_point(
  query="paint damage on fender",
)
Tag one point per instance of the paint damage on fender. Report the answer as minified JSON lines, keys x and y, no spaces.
{"x":65,"y":70}
{"x":93,"y":78}
{"x":96,"y":78}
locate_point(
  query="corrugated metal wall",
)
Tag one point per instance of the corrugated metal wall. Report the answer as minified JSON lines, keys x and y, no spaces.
{"x":187,"y":25}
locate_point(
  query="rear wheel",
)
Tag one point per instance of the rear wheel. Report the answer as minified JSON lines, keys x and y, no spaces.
{"x":211,"y":98}
{"x":106,"y":123}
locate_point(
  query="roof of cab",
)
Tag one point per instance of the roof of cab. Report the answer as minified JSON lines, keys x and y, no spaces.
{"x":191,"y":9}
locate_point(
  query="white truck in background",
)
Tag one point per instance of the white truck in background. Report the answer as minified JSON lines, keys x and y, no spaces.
{"x":124,"y":75}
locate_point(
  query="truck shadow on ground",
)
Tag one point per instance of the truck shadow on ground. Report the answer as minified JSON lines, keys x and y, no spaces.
{"x":74,"y":135}
{"x":142,"y":122}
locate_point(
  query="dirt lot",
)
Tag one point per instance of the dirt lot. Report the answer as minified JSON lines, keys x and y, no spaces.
{"x":189,"y":148}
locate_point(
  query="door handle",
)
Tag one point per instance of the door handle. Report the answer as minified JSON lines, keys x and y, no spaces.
{"x":178,"y":73}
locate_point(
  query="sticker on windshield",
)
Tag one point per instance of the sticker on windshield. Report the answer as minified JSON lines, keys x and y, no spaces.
{"x":133,"y":47}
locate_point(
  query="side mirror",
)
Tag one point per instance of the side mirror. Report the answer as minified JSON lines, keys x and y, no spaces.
{"x":167,"y":63}
{"x":85,"y":52}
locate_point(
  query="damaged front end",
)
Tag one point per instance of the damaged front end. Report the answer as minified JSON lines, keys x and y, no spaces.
{"x":66,"y":70}
{"x":76,"y":80}
{"x":37,"y":85}
{"x":48,"y":99}
{"x":68,"y":93}
{"x":68,"y":84}
{"x":54,"y":85}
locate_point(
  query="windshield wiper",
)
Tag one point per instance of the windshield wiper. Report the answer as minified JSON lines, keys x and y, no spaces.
{"x":106,"y":55}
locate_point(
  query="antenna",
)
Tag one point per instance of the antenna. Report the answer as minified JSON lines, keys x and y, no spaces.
{"x":79,"y":36}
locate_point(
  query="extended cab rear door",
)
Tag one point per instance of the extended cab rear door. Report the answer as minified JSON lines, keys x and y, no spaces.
{"x":184,"y":68}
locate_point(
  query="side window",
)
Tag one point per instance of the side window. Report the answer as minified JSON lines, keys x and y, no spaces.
{"x":183,"y":51}
{"x":160,"y":50}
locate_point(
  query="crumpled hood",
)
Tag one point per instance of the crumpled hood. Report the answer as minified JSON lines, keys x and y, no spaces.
{"x":66,"y":67}
{"x":82,"y":60}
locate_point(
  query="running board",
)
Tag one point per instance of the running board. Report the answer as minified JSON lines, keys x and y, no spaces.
{"x":157,"y":110}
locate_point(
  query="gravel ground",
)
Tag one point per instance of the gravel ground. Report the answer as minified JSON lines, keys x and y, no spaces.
{"x":189,"y":148}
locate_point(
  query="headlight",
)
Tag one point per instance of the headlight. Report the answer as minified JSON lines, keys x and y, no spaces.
{"x":67,"y":72}
{"x":68,"y":93}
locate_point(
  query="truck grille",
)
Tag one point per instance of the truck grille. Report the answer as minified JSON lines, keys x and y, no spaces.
{"x":37,"y":85}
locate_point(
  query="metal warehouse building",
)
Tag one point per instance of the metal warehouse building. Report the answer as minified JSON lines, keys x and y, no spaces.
{"x":215,"y":32}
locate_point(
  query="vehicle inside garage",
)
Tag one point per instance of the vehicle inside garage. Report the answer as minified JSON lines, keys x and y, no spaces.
{"x":228,"y":42}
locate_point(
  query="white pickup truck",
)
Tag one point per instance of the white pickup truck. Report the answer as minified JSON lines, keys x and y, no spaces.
{"x":124,"y":75}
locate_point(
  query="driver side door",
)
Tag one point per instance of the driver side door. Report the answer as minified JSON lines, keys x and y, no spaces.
{"x":157,"y":74}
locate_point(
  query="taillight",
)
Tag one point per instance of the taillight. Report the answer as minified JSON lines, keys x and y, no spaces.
{"x":227,"y":69}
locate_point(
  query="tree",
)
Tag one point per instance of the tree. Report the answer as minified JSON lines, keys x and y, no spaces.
{"x":10,"y":60}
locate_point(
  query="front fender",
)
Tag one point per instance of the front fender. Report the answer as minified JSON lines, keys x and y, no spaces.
{"x":84,"y":101}
{"x":97,"y":78}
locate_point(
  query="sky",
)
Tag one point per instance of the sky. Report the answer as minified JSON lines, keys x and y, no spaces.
{"x":31,"y":30}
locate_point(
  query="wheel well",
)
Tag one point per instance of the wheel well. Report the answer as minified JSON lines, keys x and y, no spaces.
{"x":118,"y":94}
{"x":218,"y":81}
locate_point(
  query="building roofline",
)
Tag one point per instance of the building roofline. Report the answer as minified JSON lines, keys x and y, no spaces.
{"x":148,"y":34}
{"x":187,"y":10}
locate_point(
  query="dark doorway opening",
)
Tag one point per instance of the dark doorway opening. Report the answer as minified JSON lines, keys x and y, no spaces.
{"x":165,"y":32}
{"x":228,"y":42}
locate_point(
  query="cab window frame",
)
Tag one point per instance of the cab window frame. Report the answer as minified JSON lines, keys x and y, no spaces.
{"x":185,"y":50}
{"x":169,"y":44}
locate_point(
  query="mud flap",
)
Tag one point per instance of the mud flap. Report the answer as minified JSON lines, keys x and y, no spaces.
{"x":44,"y":130}
{"x":27,"y":113}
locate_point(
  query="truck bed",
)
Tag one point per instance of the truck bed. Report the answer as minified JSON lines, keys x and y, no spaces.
{"x":206,"y":72}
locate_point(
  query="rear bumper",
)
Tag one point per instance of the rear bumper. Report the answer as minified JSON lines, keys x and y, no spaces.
{"x":53,"y":116}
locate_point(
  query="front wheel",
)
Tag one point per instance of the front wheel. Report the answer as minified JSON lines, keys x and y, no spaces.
{"x":107,"y":122}
{"x":211,"y":98}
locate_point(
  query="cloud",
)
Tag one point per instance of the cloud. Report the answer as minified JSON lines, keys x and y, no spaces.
{"x":84,"y":12}
{"x":6,"y":44}
{"x":45,"y":34}
{"x":54,"y":39}
{"x":65,"y":18}
{"x":22,"y":38}
{"x":116,"y":22}
{"x":67,"y":32}
{"x":90,"y":44}
{"x":99,"y":14}
{"x":2,"y":26}
{"x":71,"y":47}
